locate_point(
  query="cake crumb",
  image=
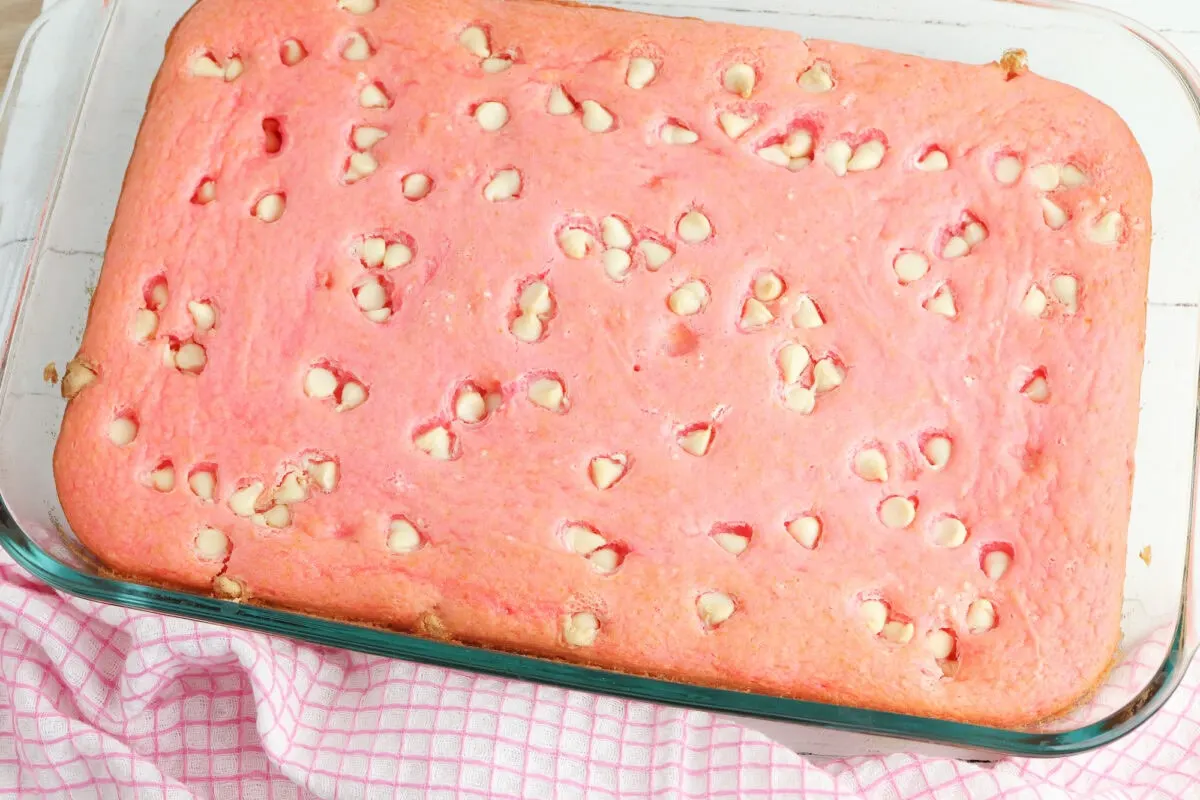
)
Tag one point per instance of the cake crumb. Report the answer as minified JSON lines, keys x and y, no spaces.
{"x":50,"y":374}
{"x":1145,"y":555}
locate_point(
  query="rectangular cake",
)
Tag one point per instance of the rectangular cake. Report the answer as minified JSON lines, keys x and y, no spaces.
{"x":676,"y":348}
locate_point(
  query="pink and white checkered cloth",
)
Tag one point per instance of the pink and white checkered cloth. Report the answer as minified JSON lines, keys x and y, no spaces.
{"x":98,"y":701}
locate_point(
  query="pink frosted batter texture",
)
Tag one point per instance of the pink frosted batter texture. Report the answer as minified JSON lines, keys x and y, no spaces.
{"x":677,"y":348}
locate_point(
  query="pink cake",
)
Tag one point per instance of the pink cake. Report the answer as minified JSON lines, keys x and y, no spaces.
{"x":676,"y":348}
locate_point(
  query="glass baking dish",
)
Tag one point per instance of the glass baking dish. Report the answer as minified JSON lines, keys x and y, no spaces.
{"x":53,"y":259}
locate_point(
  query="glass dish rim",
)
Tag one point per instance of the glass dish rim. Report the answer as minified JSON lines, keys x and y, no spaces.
{"x":512,"y":665}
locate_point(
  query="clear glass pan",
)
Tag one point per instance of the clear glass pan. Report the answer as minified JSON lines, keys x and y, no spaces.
{"x":52,"y":254}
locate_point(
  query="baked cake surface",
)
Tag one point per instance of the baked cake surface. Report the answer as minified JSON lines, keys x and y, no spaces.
{"x":677,"y":348}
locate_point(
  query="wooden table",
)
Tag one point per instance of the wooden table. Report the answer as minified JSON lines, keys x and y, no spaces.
{"x":15,"y":16}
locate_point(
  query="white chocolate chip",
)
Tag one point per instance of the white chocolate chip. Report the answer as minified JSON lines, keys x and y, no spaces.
{"x":292,"y":489}
{"x":357,"y":6}
{"x":755,"y":315}
{"x":793,"y":360}
{"x":535,"y":299}
{"x":354,"y":394}
{"x":768,"y":287}
{"x":837,"y":157}
{"x":1037,"y":389}
{"x":910,"y":266}
{"x":206,"y":192}
{"x":437,"y":443}
{"x":123,"y":431}
{"x":874,"y":614}
{"x":475,"y":41}
{"x":827,"y":376}
{"x":277,"y":517}
{"x":735,"y":125}
{"x":995,"y":564}
{"x":1107,"y":229}
{"x":163,"y":478}
{"x":1053,"y":214}
{"x":204,"y":316}
{"x":942,"y":303}
{"x":714,"y":608}
{"x":191,"y":358}
{"x":145,"y":324}
{"x":677,"y":134}
{"x":548,"y":393}
{"x":582,"y":540}
{"x":949,"y":532}
{"x":615,"y":233}
{"x":243,"y":501}
{"x":940,"y":644}
{"x":324,"y":474}
{"x":560,"y":103}
{"x":371,"y":295}
{"x":956,"y":247}
{"x":205,"y":66}
{"x":697,"y":441}
{"x":379,"y":315}
{"x":234,"y":69}
{"x":581,"y":630}
{"x":800,"y":399}
{"x":1045,"y":177}
{"x":527,"y":328}
{"x":816,"y":79}
{"x":806,"y":531}
{"x":496,"y":64}
{"x":320,"y":383}
{"x":870,"y":464}
{"x":1065,"y":289}
{"x":694,"y":227}
{"x":403,"y":537}
{"x":640,"y":73}
{"x":491,"y":115}
{"x":575,"y":242}
{"x":867,"y":156}
{"x":981,"y":616}
{"x":359,"y":166}
{"x":229,"y":588}
{"x":372,"y":96}
{"x":373,"y":251}
{"x":78,"y":377}
{"x":807,"y":314}
{"x":1007,"y":170}
{"x":469,"y":406}
{"x":1072,"y":176}
{"x":740,"y":79}
{"x":606,"y":471}
{"x":397,"y":255}
{"x":291,"y":52}
{"x":270,"y":208}
{"x":596,"y":118}
{"x":731,"y":542}
{"x":933,"y":161}
{"x":655,"y":253}
{"x":774,"y":154}
{"x":897,"y":512}
{"x":690,"y":298}
{"x":605,"y":560}
{"x":1035,"y":301}
{"x":936,"y":450}
{"x":616,"y":264}
{"x":897,"y":632}
{"x":203,"y":484}
{"x":416,"y":186}
{"x":504,"y":185}
{"x":798,"y":144}
{"x":356,"y":47}
{"x":211,"y":545}
{"x":974,"y":233}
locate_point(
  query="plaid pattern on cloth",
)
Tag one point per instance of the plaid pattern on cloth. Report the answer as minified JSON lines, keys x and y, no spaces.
{"x":99,"y":701}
